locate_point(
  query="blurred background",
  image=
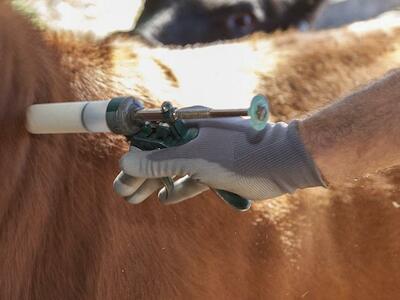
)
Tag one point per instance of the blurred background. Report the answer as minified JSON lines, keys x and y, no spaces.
{"x":340,"y":12}
{"x":184,"y":22}
{"x":98,"y":16}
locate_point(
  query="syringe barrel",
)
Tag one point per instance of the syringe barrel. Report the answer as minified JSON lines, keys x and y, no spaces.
{"x":116,"y":115}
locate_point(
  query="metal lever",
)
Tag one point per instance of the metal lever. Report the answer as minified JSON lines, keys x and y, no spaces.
{"x":234,"y":200}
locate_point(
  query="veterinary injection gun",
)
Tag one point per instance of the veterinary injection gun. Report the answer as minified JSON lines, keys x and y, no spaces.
{"x":146,"y":129}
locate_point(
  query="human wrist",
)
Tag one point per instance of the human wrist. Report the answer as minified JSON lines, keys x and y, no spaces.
{"x":304,"y":169}
{"x":277,"y":165}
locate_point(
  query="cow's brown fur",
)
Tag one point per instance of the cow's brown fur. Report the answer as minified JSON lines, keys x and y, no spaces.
{"x":65,"y":235}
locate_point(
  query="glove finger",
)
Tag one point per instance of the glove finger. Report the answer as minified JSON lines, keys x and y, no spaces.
{"x":144,"y":191}
{"x":155,"y":164}
{"x":125,"y":185}
{"x":184,"y":188}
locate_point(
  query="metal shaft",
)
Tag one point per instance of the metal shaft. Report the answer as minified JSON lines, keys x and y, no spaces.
{"x":189,"y":113}
{"x":211,"y":113}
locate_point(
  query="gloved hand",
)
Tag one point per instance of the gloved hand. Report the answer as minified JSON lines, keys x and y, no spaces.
{"x":228,"y":154}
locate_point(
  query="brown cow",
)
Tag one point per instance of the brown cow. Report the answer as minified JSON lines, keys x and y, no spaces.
{"x":65,"y":235}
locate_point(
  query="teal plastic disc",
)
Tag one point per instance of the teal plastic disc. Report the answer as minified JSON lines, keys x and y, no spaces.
{"x":259,"y":112}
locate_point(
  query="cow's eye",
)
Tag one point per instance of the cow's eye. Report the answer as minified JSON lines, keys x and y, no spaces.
{"x":241,"y":23}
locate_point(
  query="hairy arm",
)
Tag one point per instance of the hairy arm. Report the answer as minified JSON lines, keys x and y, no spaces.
{"x":359,"y":134}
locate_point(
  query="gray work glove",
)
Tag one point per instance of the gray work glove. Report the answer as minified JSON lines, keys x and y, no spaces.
{"x":228,"y":154}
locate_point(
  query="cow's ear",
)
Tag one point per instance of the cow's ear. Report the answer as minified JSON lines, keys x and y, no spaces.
{"x":295,"y":12}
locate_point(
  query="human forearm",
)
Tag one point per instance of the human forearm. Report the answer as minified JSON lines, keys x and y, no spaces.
{"x":359,"y":134}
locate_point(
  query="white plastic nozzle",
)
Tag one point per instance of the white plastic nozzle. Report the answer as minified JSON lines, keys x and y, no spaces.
{"x":69,"y":117}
